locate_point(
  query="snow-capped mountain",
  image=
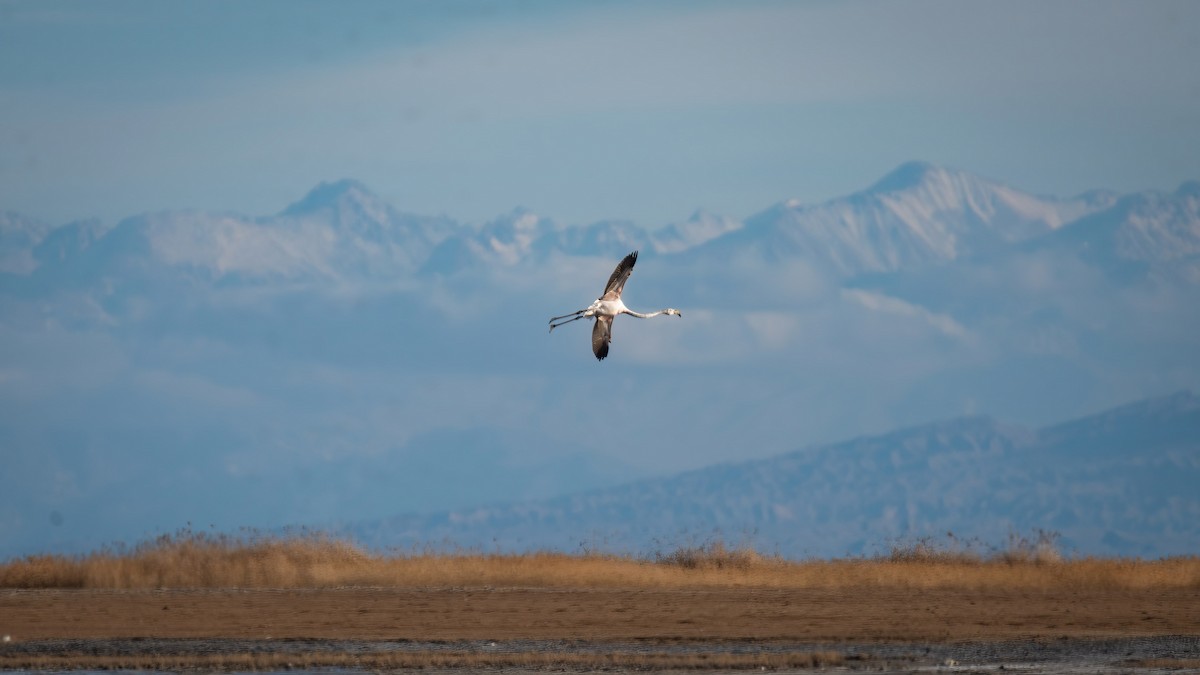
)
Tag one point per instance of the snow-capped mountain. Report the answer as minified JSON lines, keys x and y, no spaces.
{"x":701,"y":227}
{"x":605,"y":238}
{"x":1147,"y":242}
{"x":523,"y":236}
{"x":918,"y":215}
{"x":1121,"y":482}
{"x":338,"y":231}
{"x":366,"y":233}
{"x":504,"y":241}
{"x":68,"y":243}
{"x":18,"y":236}
{"x":1148,"y":232}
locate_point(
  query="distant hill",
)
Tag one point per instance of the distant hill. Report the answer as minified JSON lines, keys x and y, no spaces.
{"x":1122,"y":482}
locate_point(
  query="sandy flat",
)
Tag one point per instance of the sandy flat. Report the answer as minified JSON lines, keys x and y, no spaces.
{"x":604,"y":614}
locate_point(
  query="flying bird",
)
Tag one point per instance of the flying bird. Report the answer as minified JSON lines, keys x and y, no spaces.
{"x":607,"y":307}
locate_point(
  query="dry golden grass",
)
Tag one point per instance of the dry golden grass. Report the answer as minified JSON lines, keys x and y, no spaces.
{"x":189,"y":560}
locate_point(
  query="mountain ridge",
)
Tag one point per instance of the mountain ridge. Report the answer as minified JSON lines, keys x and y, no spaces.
{"x":917,"y":215}
{"x":973,"y":476}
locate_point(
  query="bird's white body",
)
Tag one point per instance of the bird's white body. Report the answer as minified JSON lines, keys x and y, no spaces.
{"x":607,"y":307}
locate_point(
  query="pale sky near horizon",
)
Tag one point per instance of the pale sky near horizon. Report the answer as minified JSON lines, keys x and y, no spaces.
{"x":582,"y":111}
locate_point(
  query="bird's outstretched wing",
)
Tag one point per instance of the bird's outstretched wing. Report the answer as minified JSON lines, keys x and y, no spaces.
{"x":616,"y":283}
{"x":602,"y":335}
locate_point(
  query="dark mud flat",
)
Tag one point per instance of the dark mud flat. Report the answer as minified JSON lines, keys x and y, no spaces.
{"x":1058,"y":629}
{"x":1145,"y":655}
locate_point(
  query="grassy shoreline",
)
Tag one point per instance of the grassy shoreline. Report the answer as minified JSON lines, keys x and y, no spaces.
{"x":190,"y":560}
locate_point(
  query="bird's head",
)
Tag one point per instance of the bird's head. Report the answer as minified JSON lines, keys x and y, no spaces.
{"x":670,"y":311}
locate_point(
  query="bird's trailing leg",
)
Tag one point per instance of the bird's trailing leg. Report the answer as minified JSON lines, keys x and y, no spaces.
{"x":581,"y":314}
{"x":556,"y":318}
{"x":556,"y":325}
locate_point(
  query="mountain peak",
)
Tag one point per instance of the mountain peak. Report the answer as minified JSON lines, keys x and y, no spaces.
{"x":1190,"y":188}
{"x":906,"y":176}
{"x":329,"y":195}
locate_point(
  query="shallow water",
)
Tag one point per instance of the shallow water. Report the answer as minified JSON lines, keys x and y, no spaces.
{"x":1058,"y":656}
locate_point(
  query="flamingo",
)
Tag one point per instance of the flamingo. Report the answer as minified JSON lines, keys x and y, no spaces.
{"x":607,"y":307}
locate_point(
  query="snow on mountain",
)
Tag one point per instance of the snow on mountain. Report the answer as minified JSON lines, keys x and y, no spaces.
{"x":221,"y":245}
{"x":365,"y":233}
{"x":609,"y":238}
{"x":18,"y":237}
{"x":522,"y":236}
{"x":339,"y":231}
{"x":510,"y":238}
{"x":701,"y":227}
{"x":917,"y":215}
{"x":1120,"y":482}
{"x":69,"y":241}
{"x":1120,"y":276}
{"x":347,"y":204}
{"x":504,"y":241}
{"x":1154,"y":231}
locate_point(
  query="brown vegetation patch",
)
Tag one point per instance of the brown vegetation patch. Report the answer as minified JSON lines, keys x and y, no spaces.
{"x":189,"y":560}
{"x":317,"y":588}
{"x":1164,"y":664}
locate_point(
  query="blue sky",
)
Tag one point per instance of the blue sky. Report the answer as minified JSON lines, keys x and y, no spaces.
{"x":582,"y":111}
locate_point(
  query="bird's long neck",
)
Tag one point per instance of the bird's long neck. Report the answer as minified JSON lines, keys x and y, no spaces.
{"x":639,"y":315}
